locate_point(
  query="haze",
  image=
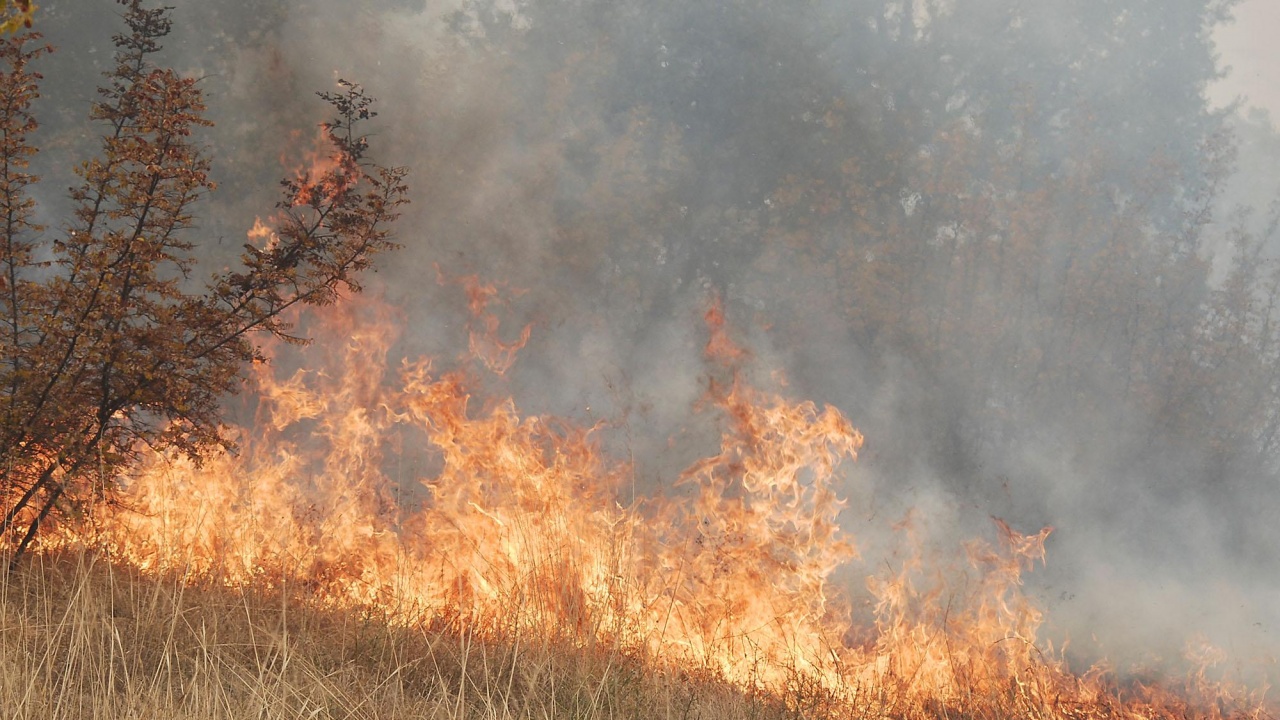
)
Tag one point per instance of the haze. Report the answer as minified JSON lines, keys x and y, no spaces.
{"x":1007,"y":240}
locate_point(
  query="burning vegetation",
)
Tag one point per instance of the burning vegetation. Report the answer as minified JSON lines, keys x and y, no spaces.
{"x":110,"y":343}
{"x":516,"y":531}
{"x":363,"y":487}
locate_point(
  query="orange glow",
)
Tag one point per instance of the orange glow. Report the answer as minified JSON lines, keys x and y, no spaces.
{"x":262,"y":235}
{"x":484,"y":343}
{"x":321,"y":171}
{"x":364,"y":486}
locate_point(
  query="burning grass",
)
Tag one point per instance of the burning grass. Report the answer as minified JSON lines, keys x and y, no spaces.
{"x":86,"y":638}
{"x":508,"y":581}
{"x":83,"y":638}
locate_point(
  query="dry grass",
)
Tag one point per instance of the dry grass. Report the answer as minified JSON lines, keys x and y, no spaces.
{"x":80,"y":638}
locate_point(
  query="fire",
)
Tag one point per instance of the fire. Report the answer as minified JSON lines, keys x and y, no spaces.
{"x":484,"y":343}
{"x":318,"y":172}
{"x":401,"y":491}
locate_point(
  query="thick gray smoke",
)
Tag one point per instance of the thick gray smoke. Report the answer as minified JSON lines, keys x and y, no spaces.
{"x":998,"y":236}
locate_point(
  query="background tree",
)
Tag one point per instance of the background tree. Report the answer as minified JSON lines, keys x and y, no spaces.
{"x":110,"y":342}
{"x":994,"y":234}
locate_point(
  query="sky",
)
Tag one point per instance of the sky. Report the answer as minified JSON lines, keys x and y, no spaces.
{"x":1250,"y":46}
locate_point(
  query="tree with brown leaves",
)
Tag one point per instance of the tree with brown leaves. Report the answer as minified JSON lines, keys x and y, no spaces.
{"x":108,"y":343}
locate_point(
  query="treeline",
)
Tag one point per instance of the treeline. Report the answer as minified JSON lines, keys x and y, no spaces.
{"x":1017,"y":209}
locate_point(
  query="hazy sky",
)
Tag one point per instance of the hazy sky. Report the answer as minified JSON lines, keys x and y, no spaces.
{"x":1250,"y":46}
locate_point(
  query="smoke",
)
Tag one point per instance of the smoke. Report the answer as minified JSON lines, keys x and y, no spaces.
{"x":834,"y":172}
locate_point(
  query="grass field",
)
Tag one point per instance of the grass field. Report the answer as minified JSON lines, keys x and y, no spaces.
{"x":83,"y":639}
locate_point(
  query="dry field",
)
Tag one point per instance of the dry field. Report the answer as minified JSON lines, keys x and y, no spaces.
{"x":84,"y":640}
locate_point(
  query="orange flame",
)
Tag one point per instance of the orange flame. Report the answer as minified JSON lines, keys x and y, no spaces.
{"x":321,"y":172}
{"x":484,"y":344}
{"x":401,"y":491}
